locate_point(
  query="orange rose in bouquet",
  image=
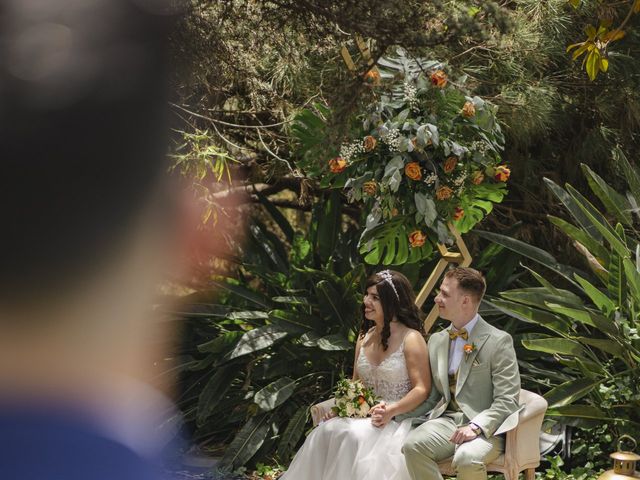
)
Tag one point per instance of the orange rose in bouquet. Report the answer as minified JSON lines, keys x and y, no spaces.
{"x":370,"y":187}
{"x":450,"y":164}
{"x":417,"y":238}
{"x":477,"y":177}
{"x":502,"y":173}
{"x":444,"y":193}
{"x":468,"y":110}
{"x":369,"y":143}
{"x":439,"y":79}
{"x":413,"y":171}
{"x":337,"y":165}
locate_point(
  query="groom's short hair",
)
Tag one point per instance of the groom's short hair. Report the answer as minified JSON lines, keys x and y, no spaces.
{"x":470,"y":280}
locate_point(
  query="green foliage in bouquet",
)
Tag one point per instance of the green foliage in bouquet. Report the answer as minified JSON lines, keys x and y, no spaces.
{"x":425,"y":154}
{"x":353,"y":398}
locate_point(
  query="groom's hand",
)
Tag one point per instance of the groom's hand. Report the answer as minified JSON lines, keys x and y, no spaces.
{"x":463,"y":434}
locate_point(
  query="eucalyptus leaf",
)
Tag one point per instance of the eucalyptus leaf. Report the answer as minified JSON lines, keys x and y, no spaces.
{"x":394,"y":182}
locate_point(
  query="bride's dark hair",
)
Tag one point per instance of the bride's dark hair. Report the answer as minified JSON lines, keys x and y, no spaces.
{"x":402,"y":306}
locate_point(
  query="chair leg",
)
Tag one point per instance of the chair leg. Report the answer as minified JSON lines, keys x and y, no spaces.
{"x":530,"y":474}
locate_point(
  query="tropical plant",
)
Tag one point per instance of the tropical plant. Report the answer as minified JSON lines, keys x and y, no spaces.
{"x":426,"y":154}
{"x":589,"y":317}
{"x":275,"y":339}
{"x":599,"y":38}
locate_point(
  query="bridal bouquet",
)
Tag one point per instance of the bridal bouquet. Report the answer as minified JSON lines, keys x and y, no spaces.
{"x":353,"y":399}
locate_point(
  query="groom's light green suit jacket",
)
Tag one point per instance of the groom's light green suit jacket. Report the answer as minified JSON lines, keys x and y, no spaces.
{"x":488,"y":384}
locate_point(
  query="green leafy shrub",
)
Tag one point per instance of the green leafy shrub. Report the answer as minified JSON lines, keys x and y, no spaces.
{"x":274,"y":337}
{"x":585,"y":330}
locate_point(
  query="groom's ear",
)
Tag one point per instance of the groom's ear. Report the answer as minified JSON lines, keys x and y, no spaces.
{"x":466,"y":299}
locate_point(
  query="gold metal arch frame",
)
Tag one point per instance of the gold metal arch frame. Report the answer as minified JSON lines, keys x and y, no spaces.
{"x":364,"y":51}
{"x":462,"y":257}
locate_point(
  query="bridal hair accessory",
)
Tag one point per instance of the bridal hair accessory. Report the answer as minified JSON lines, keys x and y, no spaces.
{"x":387,"y":277}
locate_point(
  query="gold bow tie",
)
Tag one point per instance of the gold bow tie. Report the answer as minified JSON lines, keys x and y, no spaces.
{"x":458,"y":333}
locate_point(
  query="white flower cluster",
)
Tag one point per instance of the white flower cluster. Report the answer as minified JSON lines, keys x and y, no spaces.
{"x":350,"y":150}
{"x":459,"y":183}
{"x":430,"y":179}
{"x":410,"y":92}
{"x":392,"y":139}
{"x":479,"y":146}
{"x":358,"y":412}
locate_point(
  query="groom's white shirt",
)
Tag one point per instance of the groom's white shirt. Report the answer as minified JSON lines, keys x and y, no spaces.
{"x":456,"y":347}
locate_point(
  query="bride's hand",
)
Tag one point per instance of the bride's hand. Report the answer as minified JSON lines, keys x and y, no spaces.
{"x":374,"y":410}
{"x":380,"y":415}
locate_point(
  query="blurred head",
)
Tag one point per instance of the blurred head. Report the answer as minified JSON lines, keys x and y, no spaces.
{"x":389,"y":297}
{"x":89,"y":213}
{"x":83,"y":134}
{"x":460,"y":294}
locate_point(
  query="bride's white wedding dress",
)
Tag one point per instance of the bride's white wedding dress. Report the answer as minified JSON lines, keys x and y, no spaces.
{"x":352,"y":448}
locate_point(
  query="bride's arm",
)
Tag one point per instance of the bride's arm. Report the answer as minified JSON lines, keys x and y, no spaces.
{"x":417,"y":360}
{"x":355,"y":360}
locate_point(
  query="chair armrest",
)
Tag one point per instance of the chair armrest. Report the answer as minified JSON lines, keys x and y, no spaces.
{"x":319,"y":410}
{"x":524,"y":441}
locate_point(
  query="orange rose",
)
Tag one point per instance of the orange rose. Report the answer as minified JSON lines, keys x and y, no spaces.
{"x":412,"y":170}
{"x":372,"y":77}
{"x":458,"y":213}
{"x":444,"y":193}
{"x":468,"y":110}
{"x":369,"y":143}
{"x":468,"y":348}
{"x":450,"y":164}
{"x":477,"y":177}
{"x":502,"y":173}
{"x":370,"y":188}
{"x":361,"y":400}
{"x":417,"y":238}
{"x":439,"y":79}
{"x":337,"y":165}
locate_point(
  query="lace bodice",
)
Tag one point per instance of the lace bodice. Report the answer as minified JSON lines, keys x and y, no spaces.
{"x":389,"y":380}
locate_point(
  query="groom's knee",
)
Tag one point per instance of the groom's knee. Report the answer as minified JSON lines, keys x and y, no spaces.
{"x":467,"y":459}
{"x":414,"y":446}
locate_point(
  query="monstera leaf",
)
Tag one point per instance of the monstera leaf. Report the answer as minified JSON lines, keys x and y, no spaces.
{"x":388,"y":244}
{"x":478,"y":204}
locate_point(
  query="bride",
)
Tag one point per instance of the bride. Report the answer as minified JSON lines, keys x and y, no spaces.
{"x":391,"y":358}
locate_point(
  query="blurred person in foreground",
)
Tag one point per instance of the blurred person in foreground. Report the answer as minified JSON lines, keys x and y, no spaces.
{"x":91,"y":226}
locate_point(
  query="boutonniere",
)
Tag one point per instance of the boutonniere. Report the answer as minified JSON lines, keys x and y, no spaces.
{"x":468,"y":349}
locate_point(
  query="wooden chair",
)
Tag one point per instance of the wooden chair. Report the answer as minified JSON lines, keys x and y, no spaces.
{"x":522,"y":450}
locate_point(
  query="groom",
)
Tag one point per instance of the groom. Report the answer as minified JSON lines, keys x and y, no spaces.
{"x":475,"y":387}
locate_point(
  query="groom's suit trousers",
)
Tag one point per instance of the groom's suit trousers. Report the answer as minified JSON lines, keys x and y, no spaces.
{"x":429,"y":443}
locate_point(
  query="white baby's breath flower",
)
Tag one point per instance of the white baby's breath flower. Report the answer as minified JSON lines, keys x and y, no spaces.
{"x":350,"y":150}
{"x":410,"y":92}
{"x":431,"y":179}
{"x":392,"y":139}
